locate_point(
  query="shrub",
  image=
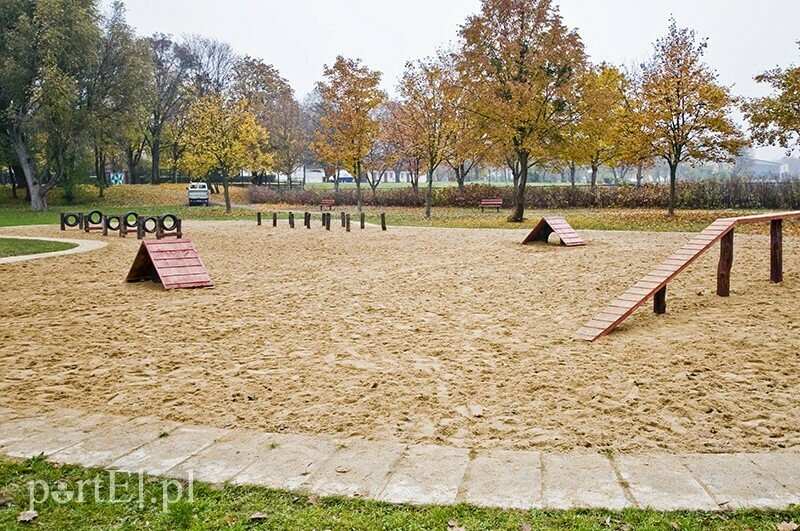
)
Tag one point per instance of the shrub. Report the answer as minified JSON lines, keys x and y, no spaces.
{"x":734,"y":193}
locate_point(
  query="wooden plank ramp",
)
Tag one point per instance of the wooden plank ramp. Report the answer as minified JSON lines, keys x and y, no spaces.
{"x":623,"y":306}
{"x":550,"y":224}
{"x":176,"y":264}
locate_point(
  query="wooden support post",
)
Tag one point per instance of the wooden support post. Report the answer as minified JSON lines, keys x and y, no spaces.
{"x":776,"y":251}
{"x":363,"y":220}
{"x":324,"y":217}
{"x":274,"y":219}
{"x":105,"y":226}
{"x":291,"y":220}
{"x":343,"y":219}
{"x":258,"y":217}
{"x":660,"y":301}
{"x":328,"y":221}
{"x":383,"y":221}
{"x":725,"y":264}
{"x":63,"y":225}
{"x":347,"y":222}
{"x":140,"y":228}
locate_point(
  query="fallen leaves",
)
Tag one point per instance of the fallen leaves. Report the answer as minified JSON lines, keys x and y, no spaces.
{"x":27,"y":516}
{"x":787,"y":526}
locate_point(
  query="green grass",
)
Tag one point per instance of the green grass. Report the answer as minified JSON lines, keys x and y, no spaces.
{"x":228,"y":507}
{"x":14,"y":247}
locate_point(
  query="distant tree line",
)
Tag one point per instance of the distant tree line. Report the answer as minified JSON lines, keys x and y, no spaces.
{"x":80,"y":92}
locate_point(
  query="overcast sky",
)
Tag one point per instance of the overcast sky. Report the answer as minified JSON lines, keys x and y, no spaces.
{"x":746,"y":37}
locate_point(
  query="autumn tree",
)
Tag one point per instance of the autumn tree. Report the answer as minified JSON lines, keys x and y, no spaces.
{"x":114,"y":94}
{"x":223,"y":137}
{"x":172,"y":63}
{"x":685,"y":113}
{"x":775,"y":119}
{"x":428,"y":91}
{"x":408,"y":156}
{"x":351,"y":95}
{"x":47,"y":48}
{"x":521,"y":63}
{"x":598,"y":138}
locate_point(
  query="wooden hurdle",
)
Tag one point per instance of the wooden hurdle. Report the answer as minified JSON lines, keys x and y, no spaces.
{"x":94,"y":221}
{"x":71,"y":220}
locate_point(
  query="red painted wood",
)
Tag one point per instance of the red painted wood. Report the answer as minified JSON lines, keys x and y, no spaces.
{"x":175,"y":263}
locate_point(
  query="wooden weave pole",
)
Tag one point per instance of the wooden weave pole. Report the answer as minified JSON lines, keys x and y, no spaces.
{"x":347,"y":222}
{"x":776,"y":251}
{"x":291,"y":220}
{"x":725,"y":265}
{"x":383,"y":221}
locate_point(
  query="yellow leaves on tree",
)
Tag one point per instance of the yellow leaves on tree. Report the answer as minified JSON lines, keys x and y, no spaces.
{"x":223,"y":138}
{"x":351,"y":96}
{"x":776,"y":118}
{"x":520,"y":62}
{"x":685,"y":113}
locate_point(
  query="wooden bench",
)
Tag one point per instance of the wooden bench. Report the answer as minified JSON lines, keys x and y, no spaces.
{"x":327,"y":203}
{"x":491,"y":203}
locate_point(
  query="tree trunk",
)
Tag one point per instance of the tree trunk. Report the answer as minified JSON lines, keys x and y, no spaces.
{"x":639,"y":173}
{"x":155,"y":152}
{"x":519,"y":190}
{"x":37,"y":193}
{"x":429,"y":195}
{"x":415,"y":185}
{"x":336,"y":181}
{"x":227,"y":194}
{"x":358,"y":186}
{"x":100,"y":170}
{"x":673,"y":177}
{"x":595,"y":171}
{"x":460,"y":178}
{"x":572,"y":174}
{"x":304,"y":176}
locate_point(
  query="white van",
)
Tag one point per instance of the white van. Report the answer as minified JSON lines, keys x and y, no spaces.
{"x":198,"y":194}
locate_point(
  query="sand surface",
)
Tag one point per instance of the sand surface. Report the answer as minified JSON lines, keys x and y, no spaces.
{"x":457,"y":337}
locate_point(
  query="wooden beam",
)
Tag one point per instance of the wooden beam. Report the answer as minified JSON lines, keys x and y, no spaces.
{"x":776,"y":251}
{"x":725,"y":264}
{"x":660,"y":301}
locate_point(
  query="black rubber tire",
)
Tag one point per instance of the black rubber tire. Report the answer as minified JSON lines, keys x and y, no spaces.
{"x":173,"y":219}
{"x":71,"y":220}
{"x":149,"y":230}
{"x":127,"y":219}
{"x":95,"y":217}
{"x":113,"y":223}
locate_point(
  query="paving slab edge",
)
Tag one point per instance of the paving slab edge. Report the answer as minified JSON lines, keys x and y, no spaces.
{"x":399,"y":473}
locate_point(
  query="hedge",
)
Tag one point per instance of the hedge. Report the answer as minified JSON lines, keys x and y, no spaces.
{"x":735,"y":193}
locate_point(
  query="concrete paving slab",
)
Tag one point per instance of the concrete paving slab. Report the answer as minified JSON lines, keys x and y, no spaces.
{"x":358,"y":469}
{"x":736,"y":482}
{"x":427,"y":475}
{"x":288,"y":464}
{"x":164,"y":453}
{"x":581,"y":480}
{"x":782,"y":467}
{"x":16,"y":427}
{"x":49,"y":434}
{"x":106,"y":444}
{"x":661,"y":482}
{"x":228,"y":456}
{"x":507,"y":479}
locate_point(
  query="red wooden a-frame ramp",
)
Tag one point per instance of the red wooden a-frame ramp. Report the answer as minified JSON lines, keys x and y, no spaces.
{"x":655,"y":283}
{"x":174,"y":263}
{"x":556,"y":224}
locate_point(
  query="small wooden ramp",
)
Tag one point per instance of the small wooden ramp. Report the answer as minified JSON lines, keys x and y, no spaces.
{"x":655,"y":283}
{"x":556,"y":224}
{"x":175,"y":264}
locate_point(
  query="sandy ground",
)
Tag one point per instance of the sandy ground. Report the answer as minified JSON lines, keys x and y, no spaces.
{"x":457,"y":337}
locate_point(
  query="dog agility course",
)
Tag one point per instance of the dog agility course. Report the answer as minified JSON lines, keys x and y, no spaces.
{"x":442,"y":336}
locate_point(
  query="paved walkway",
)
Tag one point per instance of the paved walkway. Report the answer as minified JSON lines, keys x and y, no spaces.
{"x":82,"y":246}
{"x":397,"y":473}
